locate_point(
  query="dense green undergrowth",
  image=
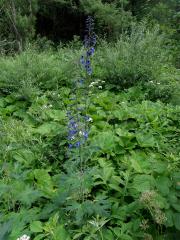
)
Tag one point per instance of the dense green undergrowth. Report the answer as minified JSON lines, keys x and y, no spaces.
{"x":132,"y":181}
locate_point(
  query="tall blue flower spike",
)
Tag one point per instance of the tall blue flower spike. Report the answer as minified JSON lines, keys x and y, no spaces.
{"x":89,"y":43}
{"x":78,"y":122}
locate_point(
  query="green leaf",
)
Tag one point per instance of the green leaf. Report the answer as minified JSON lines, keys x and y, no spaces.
{"x":40,"y":236}
{"x":50,"y":128}
{"x":169,"y":217}
{"x":176,"y":178}
{"x":115,"y":187}
{"x":176,"y":206}
{"x":161,"y":201}
{"x":120,"y":235}
{"x":107,"y":170}
{"x":28,"y":195}
{"x":163,"y":184}
{"x":24,"y":156}
{"x":126,"y":139}
{"x":158,"y":166}
{"x":44,"y":182}
{"x":121,"y":114}
{"x":140,"y":162}
{"x":108,"y":235}
{"x":2,"y":103}
{"x":36,"y":227}
{"x":145,"y":140}
{"x":56,"y":115}
{"x":105,"y":140}
{"x":143,"y":183}
{"x":11,"y":109}
{"x":176,"y":218}
{"x":60,"y":233}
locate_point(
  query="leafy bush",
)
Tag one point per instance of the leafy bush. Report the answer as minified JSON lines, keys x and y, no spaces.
{"x":45,"y":69}
{"x":136,"y":57}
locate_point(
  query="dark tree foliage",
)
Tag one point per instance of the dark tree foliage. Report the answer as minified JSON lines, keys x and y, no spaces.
{"x":60,"y":20}
{"x":17,"y":21}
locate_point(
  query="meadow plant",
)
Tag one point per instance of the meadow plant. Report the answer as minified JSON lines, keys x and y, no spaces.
{"x":78,"y":119}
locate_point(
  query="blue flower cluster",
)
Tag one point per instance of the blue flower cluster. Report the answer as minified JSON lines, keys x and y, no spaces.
{"x":89,"y":44}
{"x":77,"y":125}
{"x":78,"y":121}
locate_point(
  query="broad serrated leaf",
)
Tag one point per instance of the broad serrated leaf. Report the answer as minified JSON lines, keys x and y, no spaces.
{"x":143,"y":183}
{"x":49,"y":129}
{"x":176,"y":219}
{"x":145,"y":140}
{"x":36,"y":227}
{"x":163,"y":184}
{"x":56,"y":115}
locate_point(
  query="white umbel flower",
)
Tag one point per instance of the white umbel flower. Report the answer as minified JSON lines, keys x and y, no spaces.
{"x":24,"y":237}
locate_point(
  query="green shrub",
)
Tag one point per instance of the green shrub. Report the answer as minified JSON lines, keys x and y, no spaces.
{"x":136,"y":57}
{"x":44,"y":69}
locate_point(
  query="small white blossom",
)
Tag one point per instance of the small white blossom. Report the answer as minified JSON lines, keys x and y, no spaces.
{"x":151,"y":81}
{"x":158,"y":83}
{"x":50,"y":105}
{"x":24,"y":237}
{"x":90,"y":120}
{"x":92,"y":84}
{"x":100,"y":87}
{"x":44,"y":106}
{"x":80,"y":133}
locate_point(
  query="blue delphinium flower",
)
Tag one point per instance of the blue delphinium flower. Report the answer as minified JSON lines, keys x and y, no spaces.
{"x":78,"y":121}
{"x":89,"y":43}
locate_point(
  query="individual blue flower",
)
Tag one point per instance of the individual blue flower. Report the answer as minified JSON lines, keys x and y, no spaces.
{"x":85,"y":134}
{"x":78,"y":144}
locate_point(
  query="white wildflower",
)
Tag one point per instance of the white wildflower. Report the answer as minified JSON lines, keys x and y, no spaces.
{"x":158,"y":83}
{"x":151,"y":81}
{"x":92,"y":84}
{"x":24,"y":237}
{"x":44,"y":106}
{"x":100,"y":87}
{"x":90,"y":119}
{"x":50,"y":105}
{"x":80,"y":133}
